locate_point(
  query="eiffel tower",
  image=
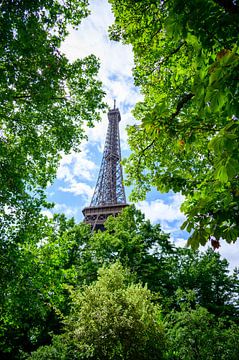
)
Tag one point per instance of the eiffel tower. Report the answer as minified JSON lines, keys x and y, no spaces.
{"x":109,"y":195}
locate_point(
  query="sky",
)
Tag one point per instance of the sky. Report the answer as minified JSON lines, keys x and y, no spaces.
{"x":78,"y":172}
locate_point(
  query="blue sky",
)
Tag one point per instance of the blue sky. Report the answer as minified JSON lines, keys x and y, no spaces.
{"x":78,"y":172}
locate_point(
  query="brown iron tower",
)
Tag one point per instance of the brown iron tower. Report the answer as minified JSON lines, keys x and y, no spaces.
{"x":109,"y":195}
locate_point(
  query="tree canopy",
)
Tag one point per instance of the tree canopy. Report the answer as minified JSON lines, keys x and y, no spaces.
{"x":57,"y":255}
{"x":194,"y":333}
{"x":111,"y":319}
{"x":44,"y":99}
{"x":44,"y":102}
{"x":186,"y":65}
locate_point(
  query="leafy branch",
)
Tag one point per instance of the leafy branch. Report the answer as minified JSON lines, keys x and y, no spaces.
{"x":184,"y":100}
{"x":141,"y":154}
{"x":164,"y":59}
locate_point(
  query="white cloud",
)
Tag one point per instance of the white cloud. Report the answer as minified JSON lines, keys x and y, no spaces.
{"x":75,"y":170}
{"x":227,"y":251}
{"x":78,"y":189}
{"x":64,"y":173}
{"x":97,"y":134}
{"x":67,"y":210}
{"x":160,"y":211}
{"x":116,"y":62}
{"x":230,"y":252}
{"x":76,"y":165}
{"x":178,"y":241}
{"x":92,"y":37}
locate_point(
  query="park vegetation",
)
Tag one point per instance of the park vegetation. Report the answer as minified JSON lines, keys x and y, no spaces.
{"x":186,"y":56}
{"x":128,"y":292}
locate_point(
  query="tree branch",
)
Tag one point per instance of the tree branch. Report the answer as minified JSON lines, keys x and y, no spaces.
{"x":185,"y":99}
{"x":141,"y":155}
{"x":173,"y":52}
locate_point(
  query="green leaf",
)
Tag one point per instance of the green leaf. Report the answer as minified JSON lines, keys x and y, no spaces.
{"x":221,"y":174}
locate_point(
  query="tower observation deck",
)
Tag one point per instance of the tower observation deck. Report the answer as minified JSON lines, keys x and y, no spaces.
{"x":109,"y":195}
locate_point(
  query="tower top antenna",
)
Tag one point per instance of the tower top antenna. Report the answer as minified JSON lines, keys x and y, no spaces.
{"x":114,"y":104}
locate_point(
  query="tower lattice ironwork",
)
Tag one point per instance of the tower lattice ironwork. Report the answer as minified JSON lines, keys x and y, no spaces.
{"x":109,"y":195}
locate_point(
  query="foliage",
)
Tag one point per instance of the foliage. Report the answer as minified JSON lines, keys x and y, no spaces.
{"x":207,"y":275}
{"x":139,"y":245}
{"x":146,"y":250}
{"x":111,"y":319}
{"x":186,"y":64}
{"x":197,"y":334}
{"x":47,"y":257}
{"x":34,"y":276}
{"x":44,"y":100}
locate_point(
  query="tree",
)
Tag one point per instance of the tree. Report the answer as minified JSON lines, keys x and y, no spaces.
{"x":51,"y":255}
{"x":186,"y":64}
{"x":140,"y":246}
{"x":207,"y":275}
{"x":194,"y":333}
{"x":146,"y":250}
{"x":34,"y":277}
{"x":111,"y":319}
{"x":44,"y":100}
